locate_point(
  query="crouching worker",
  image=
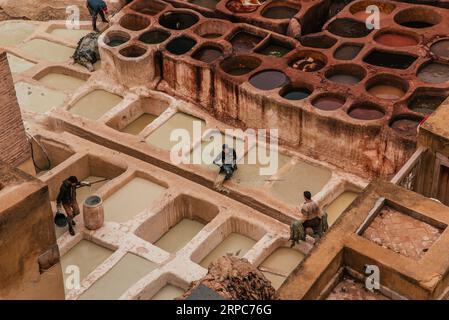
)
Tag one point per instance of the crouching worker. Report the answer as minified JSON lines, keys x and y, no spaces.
{"x":313,"y":219}
{"x":67,"y":199}
{"x":97,"y":7}
{"x":228,"y":165}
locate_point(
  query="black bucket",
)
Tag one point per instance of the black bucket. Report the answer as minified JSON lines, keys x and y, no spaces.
{"x":60,"y":220}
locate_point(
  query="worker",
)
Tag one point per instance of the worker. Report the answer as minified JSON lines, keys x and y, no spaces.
{"x":228,"y":158}
{"x":313,"y":216}
{"x":67,"y":199}
{"x":97,"y":7}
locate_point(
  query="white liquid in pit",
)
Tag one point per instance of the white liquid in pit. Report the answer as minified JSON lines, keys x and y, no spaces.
{"x":235,"y":243}
{"x":61,"y":81}
{"x":280,"y":264}
{"x":36,"y":98}
{"x":95,"y":104}
{"x":336,"y":208}
{"x":13,"y":33}
{"x":47,"y":50}
{"x":125,"y":273}
{"x":86,"y":256}
{"x":301,"y":177}
{"x":161,"y":136}
{"x":70,"y":34}
{"x":18,"y":65}
{"x":249,"y":175}
{"x":168,"y":292}
{"x":132,"y":199}
{"x":179,"y":235}
{"x":139,"y":124}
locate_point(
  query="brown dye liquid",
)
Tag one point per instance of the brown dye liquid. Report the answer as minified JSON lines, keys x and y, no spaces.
{"x":268,"y":80}
{"x":273,"y":49}
{"x":209,"y":4}
{"x":365,"y":113}
{"x":406,"y":127}
{"x":139,"y":124}
{"x":243,"y":41}
{"x":396,"y":40}
{"x":347,"y":52}
{"x":434,"y":73}
{"x":425,"y":104}
{"x":207,"y":54}
{"x":279,"y":12}
{"x":441,"y":48}
{"x":328,"y":103}
{"x":347,"y":79}
{"x":238,"y":7}
{"x":386,"y":92}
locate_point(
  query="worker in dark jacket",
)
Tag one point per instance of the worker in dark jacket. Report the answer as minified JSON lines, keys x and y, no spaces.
{"x":228,"y":158}
{"x":97,"y":7}
{"x":67,"y":199}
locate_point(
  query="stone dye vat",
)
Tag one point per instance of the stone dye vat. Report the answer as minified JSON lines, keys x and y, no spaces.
{"x":13,"y":33}
{"x":61,"y":81}
{"x":136,"y":126}
{"x":70,"y":34}
{"x":37,"y":99}
{"x":131,"y":199}
{"x":95,"y":104}
{"x":168,"y":292}
{"x":86,"y":256}
{"x":338,"y":205}
{"x":179,"y":235}
{"x":47,"y":50}
{"x":18,"y":65}
{"x":130,"y":269}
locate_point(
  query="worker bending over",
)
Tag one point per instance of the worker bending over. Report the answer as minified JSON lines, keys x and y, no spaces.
{"x":228,"y":158}
{"x":97,"y":7}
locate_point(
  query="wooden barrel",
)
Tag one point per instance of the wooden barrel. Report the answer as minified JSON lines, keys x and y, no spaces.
{"x":93,"y":212}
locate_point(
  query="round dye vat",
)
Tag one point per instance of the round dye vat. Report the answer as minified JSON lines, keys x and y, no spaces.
{"x":441,"y":48}
{"x":296,"y":93}
{"x":154,"y":37}
{"x":239,"y":65}
{"x":237,"y":6}
{"x":365,"y":112}
{"x":279,"y":12}
{"x":180,"y":45}
{"x":328,"y":103}
{"x":425,"y":104}
{"x":386,"y":92}
{"x":309,"y":63}
{"x":207,"y":54}
{"x":348,"y":28}
{"x":347,"y":52}
{"x":268,"y":80}
{"x":417,"y":24}
{"x":322,"y":42}
{"x":347,"y":79}
{"x":177,"y":20}
{"x":434,"y":72}
{"x":396,"y":40}
{"x":406,"y":127}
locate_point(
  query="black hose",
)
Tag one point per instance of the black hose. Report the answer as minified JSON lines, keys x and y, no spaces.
{"x":30,"y":138}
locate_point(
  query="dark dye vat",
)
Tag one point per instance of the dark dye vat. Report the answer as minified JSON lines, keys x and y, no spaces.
{"x":274,"y":48}
{"x":279,"y":12}
{"x":389,"y":60}
{"x":237,"y":6}
{"x":405,"y":127}
{"x":211,"y":35}
{"x":347,"y":79}
{"x":268,"y":80}
{"x":308,"y":64}
{"x":348,"y":28}
{"x":243,"y":41}
{"x":239,"y":65}
{"x":328,"y":103}
{"x":322,"y":42}
{"x":207,"y":54}
{"x":296,"y":94}
{"x":425,"y":104}
{"x":441,"y":48}
{"x":116,"y":41}
{"x":155,"y":36}
{"x":434,"y":72}
{"x":180,"y":45}
{"x":177,"y":20}
{"x":347,"y":52}
{"x":416,"y":24}
{"x":365,"y":113}
{"x":209,"y":4}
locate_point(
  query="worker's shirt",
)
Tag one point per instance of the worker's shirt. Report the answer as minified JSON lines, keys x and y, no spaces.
{"x":227,"y":158}
{"x":67,"y":193}
{"x":310,"y":210}
{"x":96,"y":5}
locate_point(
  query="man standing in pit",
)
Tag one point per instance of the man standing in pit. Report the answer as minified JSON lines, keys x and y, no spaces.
{"x":67,"y":199}
{"x":97,"y":7}
{"x":228,"y":159}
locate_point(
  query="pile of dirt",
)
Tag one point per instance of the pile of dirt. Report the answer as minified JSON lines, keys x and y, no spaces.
{"x":235,"y":279}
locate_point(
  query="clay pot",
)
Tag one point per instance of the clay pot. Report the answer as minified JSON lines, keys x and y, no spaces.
{"x":93,"y":212}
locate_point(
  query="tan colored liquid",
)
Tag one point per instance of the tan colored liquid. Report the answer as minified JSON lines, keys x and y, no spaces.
{"x":12,"y":33}
{"x":70,"y":34}
{"x":179,"y":235}
{"x":95,"y":104}
{"x":282,"y":262}
{"x":47,"y":50}
{"x":36,"y":98}
{"x":131,"y":199}
{"x":336,"y":208}
{"x":161,"y":137}
{"x":86,"y":256}
{"x":169,"y":292}
{"x":139,"y":124}
{"x":18,"y":65}
{"x":236,"y":244}
{"x":130,"y":269}
{"x":301,"y":177}
{"x":248,"y":175}
{"x":386,"y":92}
{"x":61,"y":81}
